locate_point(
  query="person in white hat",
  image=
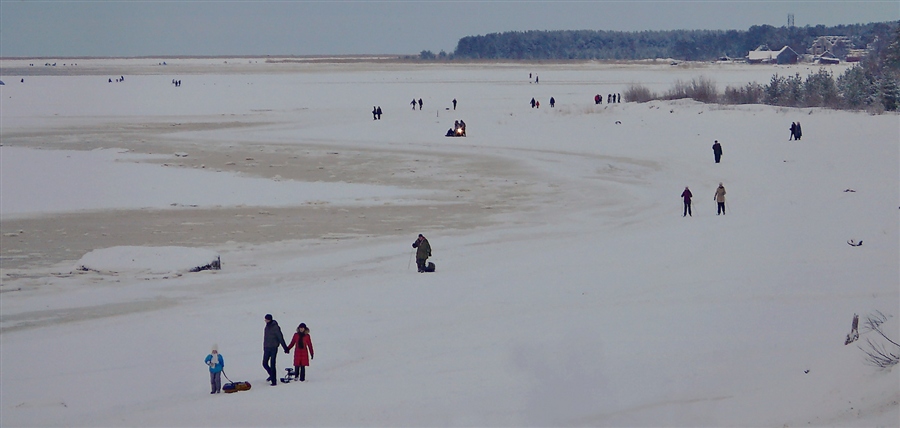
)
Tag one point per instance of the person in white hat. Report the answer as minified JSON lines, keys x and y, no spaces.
{"x":216,"y":363}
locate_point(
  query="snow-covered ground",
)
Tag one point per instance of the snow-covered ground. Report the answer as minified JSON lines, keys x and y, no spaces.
{"x":575,"y":294}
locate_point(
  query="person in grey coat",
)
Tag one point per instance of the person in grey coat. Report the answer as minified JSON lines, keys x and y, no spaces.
{"x":272,"y":338}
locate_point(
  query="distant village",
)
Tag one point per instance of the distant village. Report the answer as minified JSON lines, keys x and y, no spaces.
{"x":825,"y":50}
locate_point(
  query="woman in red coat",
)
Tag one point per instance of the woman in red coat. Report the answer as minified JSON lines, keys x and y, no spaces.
{"x":303,"y":343}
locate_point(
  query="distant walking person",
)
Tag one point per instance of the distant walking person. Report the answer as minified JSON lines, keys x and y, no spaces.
{"x":216,"y":363}
{"x":720,"y":199}
{"x":532,"y":103}
{"x":272,"y":339}
{"x":717,"y":150}
{"x":420,"y":104}
{"x":423,"y":252}
{"x":799,"y":132}
{"x":374,"y":113}
{"x":552,"y":102}
{"x":793,"y":131}
{"x":413,"y":103}
{"x":454,"y":104}
{"x":597,"y":99}
{"x":686,"y":194}
{"x":303,"y":351}
{"x":378,"y":112}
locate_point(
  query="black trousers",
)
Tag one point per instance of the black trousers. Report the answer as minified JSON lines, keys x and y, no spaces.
{"x":269,"y":356}
{"x":721,"y":208}
{"x":687,"y":208}
{"x":421,"y":264}
{"x":300,"y":373}
{"x":718,"y":156}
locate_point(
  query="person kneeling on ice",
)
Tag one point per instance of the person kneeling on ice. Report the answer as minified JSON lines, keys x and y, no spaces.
{"x":423,"y":252}
{"x":216,"y":363}
{"x":303,"y":351}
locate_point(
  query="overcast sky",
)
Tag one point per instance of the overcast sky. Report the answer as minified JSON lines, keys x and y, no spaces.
{"x":34,"y":28}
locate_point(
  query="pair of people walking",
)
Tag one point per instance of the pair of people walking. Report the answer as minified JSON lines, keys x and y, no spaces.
{"x":719,"y":197}
{"x":796,"y":131}
{"x":301,"y":343}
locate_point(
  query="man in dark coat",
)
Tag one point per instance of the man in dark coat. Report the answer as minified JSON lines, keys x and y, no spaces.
{"x":793,"y":131}
{"x":272,"y":338}
{"x":686,"y":194}
{"x":717,"y":150}
{"x":799,"y":132}
{"x":423,"y":252}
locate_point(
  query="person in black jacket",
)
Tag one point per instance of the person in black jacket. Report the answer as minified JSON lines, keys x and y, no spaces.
{"x":717,"y":150}
{"x":423,"y":252}
{"x":272,"y":338}
{"x":686,"y":194}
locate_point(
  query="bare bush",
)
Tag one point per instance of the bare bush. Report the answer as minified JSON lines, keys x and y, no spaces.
{"x":879,"y":353}
{"x":752,"y":93}
{"x":700,"y":89}
{"x":639,"y":94}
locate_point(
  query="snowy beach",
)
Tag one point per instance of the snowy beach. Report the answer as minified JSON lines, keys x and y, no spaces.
{"x":569,"y":290}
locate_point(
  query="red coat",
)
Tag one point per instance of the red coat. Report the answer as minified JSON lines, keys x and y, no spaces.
{"x":301,"y":357}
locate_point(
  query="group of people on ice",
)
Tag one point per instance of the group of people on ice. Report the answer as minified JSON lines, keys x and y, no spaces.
{"x":458,"y":129}
{"x":273,"y":338}
{"x":537,"y":104}
{"x":719,"y":197}
{"x":610,"y":99}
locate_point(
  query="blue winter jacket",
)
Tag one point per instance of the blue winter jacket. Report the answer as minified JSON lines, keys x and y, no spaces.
{"x":219,"y":366}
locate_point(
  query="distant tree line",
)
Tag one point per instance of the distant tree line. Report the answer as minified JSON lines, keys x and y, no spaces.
{"x":873,"y":85}
{"x":688,"y":45}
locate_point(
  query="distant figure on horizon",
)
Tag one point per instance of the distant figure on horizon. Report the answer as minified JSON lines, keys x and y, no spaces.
{"x":532,"y":103}
{"x":378,"y":112}
{"x":799,"y":132}
{"x":454,"y":104}
{"x":552,"y":102}
{"x":420,"y":104}
{"x":537,"y":79}
{"x":413,"y":103}
{"x":793,"y":131}
{"x":717,"y":150}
